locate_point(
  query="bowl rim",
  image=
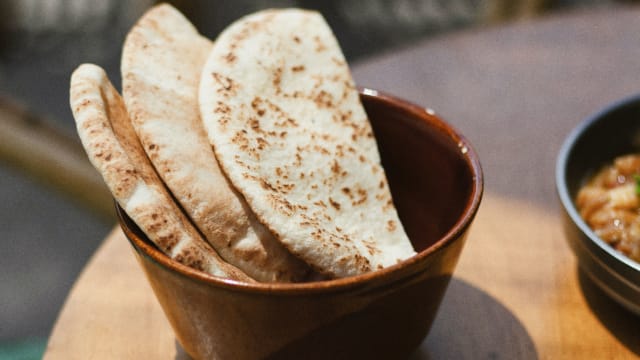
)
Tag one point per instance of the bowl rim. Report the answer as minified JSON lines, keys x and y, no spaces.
{"x":562,"y":162}
{"x":400,"y":270}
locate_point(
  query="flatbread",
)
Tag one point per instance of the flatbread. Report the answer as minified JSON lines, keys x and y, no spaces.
{"x":288,"y":129}
{"x":112,"y":147}
{"x":162,"y":61}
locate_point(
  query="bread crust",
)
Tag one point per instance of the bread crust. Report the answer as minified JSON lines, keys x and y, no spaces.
{"x":112,"y":147}
{"x":285,"y":120}
{"x":162,"y":60}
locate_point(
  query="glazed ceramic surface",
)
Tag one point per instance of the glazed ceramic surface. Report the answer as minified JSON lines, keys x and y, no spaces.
{"x":609,"y":133}
{"x":436,"y":181}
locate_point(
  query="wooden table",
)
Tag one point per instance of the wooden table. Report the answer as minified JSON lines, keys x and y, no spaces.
{"x":516,"y":92}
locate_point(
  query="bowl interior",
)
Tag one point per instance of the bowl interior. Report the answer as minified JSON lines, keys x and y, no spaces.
{"x":434,"y":175}
{"x":432,"y":172}
{"x":614,"y":131}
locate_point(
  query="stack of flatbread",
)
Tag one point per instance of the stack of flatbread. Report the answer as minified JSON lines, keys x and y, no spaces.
{"x":250,"y":158}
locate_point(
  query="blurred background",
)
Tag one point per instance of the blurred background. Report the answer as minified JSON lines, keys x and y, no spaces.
{"x":54,"y":210}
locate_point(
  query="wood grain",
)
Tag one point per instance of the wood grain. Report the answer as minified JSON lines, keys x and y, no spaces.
{"x":112,"y":313}
{"x":515,"y":92}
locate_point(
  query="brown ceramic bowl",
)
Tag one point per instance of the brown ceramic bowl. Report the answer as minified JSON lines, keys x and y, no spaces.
{"x":437,"y":184}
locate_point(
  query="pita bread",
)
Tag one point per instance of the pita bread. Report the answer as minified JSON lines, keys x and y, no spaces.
{"x":111,"y":144}
{"x":288,"y":129}
{"x":161,"y":65}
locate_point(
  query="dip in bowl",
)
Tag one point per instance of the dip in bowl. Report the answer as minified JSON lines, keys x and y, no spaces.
{"x":436,"y":181}
{"x":596,"y":142}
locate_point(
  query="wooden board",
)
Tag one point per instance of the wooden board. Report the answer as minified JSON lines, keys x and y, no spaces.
{"x":515,"y":92}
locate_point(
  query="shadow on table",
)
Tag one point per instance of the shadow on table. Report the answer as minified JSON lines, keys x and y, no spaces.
{"x":620,"y":322}
{"x":473,"y":325}
{"x":470,"y":325}
{"x":180,"y":353}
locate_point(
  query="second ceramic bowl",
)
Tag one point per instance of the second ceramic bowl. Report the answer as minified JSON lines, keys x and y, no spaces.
{"x":611,"y":132}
